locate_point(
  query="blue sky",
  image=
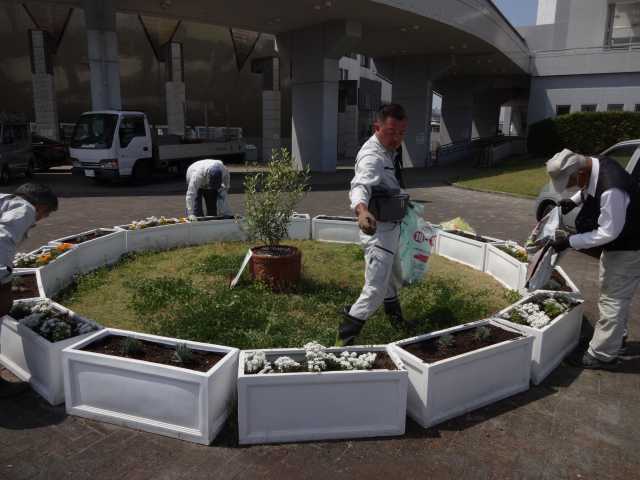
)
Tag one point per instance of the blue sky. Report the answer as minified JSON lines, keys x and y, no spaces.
{"x":519,"y":12}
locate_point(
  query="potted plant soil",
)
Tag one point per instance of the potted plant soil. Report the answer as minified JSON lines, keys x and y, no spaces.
{"x":270,"y":200}
{"x":463,"y":368}
{"x":318,"y":393}
{"x":32,"y":338}
{"x":177,"y":388}
{"x":554,"y":320}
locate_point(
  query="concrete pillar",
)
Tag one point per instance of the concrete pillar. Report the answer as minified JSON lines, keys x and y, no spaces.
{"x":412,"y":88}
{"x":104,"y":64}
{"x":486,"y":114}
{"x":457,"y":109}
{"x":271,"y":103}
{"x":44,"y":90}
{"x":175,"y":90}
{"x":314,"y":91}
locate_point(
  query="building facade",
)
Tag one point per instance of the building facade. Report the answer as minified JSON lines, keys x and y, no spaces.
{"x":585,"y":57}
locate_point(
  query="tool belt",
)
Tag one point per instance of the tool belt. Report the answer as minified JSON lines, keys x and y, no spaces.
{"x":388,"y":205}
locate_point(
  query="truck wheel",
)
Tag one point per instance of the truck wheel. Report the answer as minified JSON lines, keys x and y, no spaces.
{"x":142,"y":171}
{"x":5,"y":176}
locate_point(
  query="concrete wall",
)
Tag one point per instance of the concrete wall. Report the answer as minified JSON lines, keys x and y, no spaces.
{"x":547,"y":92}
{"x":212,"y":80}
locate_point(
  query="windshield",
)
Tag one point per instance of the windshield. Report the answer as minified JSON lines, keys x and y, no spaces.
{"x":94,"y":131}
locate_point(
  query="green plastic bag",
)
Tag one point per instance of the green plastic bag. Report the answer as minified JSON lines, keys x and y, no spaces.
{"x":417,"y":239}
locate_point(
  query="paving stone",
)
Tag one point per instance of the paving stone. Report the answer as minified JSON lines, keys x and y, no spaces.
{"x":576,"y":424}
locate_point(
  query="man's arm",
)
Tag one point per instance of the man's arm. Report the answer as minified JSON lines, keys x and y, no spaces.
{"x":368,"y":174}
{"x":613,"y":214}
{"x":14,"y":225}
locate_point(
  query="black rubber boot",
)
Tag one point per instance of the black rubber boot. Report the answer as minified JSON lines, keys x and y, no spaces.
{"x":349,"y":329}
{"x":393,"y":310}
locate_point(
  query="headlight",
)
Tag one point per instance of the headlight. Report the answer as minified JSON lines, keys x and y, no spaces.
{"x":111,"y":163}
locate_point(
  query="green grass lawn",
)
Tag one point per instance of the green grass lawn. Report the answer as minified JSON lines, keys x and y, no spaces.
{"x":184,"y":293}
{"x":518,"y":175}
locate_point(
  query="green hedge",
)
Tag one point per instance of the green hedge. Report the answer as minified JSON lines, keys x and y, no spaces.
{"x":587,"y":133}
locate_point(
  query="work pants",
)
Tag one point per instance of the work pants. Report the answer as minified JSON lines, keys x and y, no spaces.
{"x":210,"y":198}
{"x":619,"y":279}
{"x":383,"y":272}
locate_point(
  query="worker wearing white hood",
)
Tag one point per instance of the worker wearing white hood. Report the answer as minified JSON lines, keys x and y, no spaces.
{"x":208,"y":182}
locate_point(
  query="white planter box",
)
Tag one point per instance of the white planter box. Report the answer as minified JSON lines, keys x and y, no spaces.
{"x":162,"y":237}
{"x":336,"y":229}
{"x":26,"y":272}
{"x":573,"y":290}
{"x":300,"y":227}
{"x":442,"y":390}
{"x":290,"y":407}
{"x":57,"y":274}
{"x":98,"y":252}
{"x":462,"y":249}
{"x":224,"y":230}
{"x":551,"y":343}
{"x":162,"y":399}
{"x":509,"y":271}
{"x":33,"y":358}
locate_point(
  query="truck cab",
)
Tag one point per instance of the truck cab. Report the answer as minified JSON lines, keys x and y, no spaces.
{"x":112,"y":144}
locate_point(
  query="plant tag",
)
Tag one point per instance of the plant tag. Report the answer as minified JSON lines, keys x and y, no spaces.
{"x":245,"y":262}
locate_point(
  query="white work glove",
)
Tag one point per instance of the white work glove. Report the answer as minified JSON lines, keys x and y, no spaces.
{"x":192,"y":218}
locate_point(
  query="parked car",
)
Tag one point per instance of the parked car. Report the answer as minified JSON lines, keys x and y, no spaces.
{"x":48,"y":153}
{"x":627,"y":153}
{"x":15,"y":150}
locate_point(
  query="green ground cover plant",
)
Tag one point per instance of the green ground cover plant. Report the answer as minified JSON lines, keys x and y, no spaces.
{"x":184,"y":294}
{"x":524,"y":176}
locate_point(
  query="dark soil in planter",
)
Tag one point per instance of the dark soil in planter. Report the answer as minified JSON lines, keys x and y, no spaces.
{"x":87,"y":237}
{"x":556,"y":277}
{"x":470,"y":236}
{"x":154,"y":352}
{"x":339,"y":219}
{"x":25,"y":286}
{"x":431,"y":351}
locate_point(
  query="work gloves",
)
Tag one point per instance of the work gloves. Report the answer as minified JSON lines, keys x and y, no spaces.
{"x":567,"y":205}
{"x":367,"y":222}
{"x":561,"y":243}
{"x":192,"y":218}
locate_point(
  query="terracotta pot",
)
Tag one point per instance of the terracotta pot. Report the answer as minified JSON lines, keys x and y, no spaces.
{"x":277,"y":266}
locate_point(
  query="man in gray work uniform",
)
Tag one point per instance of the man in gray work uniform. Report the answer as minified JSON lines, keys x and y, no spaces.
{"x":375,"y":177}
{"x":609,"y":219}
{"x":19,"y":212}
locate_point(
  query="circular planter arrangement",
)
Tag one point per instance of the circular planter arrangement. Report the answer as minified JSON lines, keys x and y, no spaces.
{"x":126,"y":377}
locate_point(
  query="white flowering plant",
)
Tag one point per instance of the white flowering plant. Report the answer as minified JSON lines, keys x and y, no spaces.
{"x":515,"y":250}
{"x":154,"y":222}
{"x":540,"y":310}
{"x":316,"y":359}
{"x":49,"y":322}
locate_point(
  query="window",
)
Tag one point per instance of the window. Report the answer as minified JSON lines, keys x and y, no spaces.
{"x":624,"y":24}
{"x":589,"y":108}
{"x":344,"y":74}
{"x":365,"y":61}
{"x":638,"y":107}
{"x":615,"y":107}
{"x":94,"y":131}
{"x":130,"y":128}
{"x":563,"y":109}
{"x":622,"y":154}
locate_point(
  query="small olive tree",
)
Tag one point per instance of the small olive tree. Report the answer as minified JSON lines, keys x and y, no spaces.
{"x":271,"y":197}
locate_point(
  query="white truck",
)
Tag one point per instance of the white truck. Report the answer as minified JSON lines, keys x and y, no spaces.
{"x":120,"y":144}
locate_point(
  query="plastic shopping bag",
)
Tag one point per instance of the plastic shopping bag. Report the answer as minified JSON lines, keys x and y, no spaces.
{"x":417,"y":239}
{"x":545,"y":231}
